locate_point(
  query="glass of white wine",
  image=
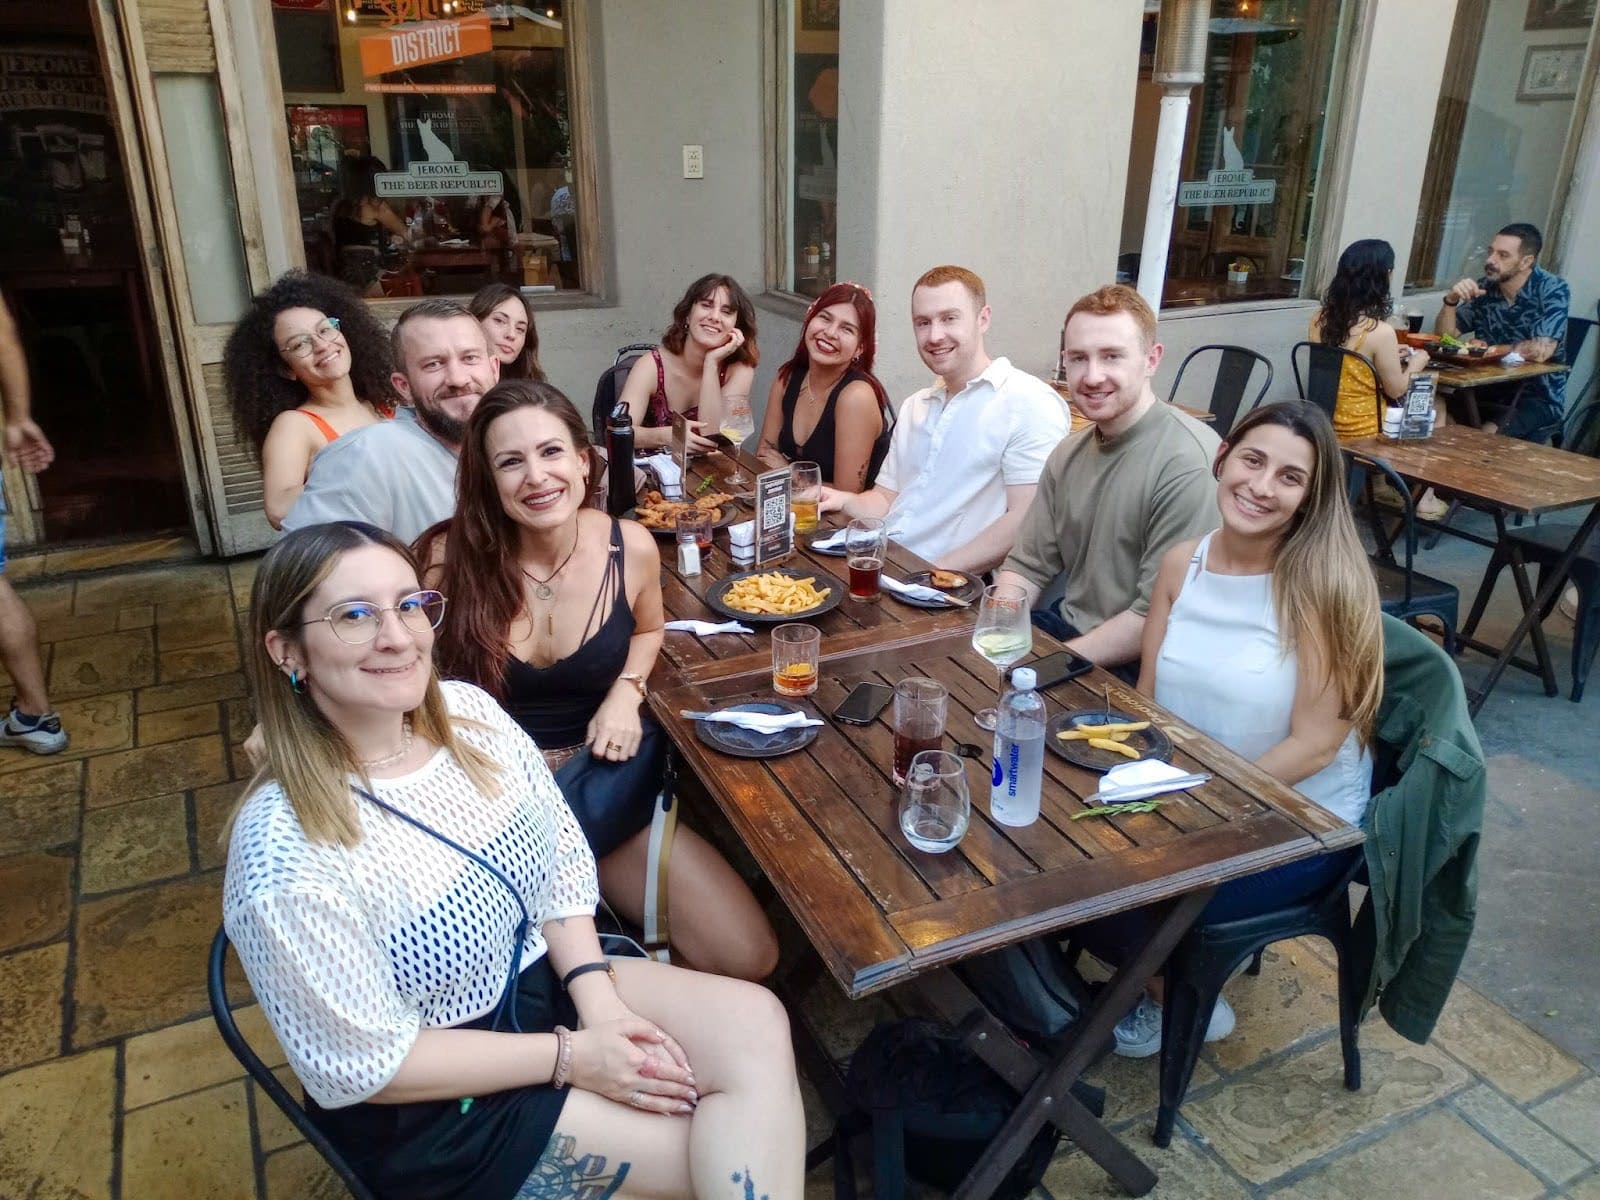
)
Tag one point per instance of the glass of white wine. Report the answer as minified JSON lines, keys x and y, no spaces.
{"x":738,"y":423}
{"x":1003,"y":635}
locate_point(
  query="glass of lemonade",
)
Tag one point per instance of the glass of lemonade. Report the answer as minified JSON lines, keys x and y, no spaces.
{"x":805,"y":489}
{"x":935,"y":805}
{"x":864,"y":544}
{"x":1003,"y":635}
{"x":795,"y":651}
{"x":738,"y":423}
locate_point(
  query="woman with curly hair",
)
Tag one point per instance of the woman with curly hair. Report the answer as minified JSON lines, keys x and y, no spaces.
{"x":513,"y":335}
{"x":307,"y":363}
{"x":706,"y":360}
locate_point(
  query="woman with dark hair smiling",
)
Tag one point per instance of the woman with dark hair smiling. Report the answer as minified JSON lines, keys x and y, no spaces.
{"x":508,"y":323}
{"x":556,"y":611}
{"x":706,"y":361}
{"x":826,"y":406}
{"x":307,"y":363}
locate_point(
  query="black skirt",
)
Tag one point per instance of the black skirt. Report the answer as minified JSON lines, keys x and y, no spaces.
{"x":435,"y":1150}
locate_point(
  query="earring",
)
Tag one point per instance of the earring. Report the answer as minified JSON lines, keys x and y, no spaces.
{"x":297,"y":683}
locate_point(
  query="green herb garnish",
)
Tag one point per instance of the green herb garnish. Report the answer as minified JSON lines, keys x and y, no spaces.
{"x":705,"y":486}
{"x":1452,"y":341}
{"x":1112,"y":810}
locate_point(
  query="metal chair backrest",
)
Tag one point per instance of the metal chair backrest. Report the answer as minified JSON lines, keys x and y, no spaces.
{"x":609,"y":387}
{"x":1374,"y":468}
{"x":217,"y":989}
{"x":1319,"y":383}
{"x":1235,"y":367}
{"x":1578,"y":329}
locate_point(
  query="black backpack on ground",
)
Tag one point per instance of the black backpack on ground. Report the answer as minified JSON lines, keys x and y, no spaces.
{"x":931,"y":1106}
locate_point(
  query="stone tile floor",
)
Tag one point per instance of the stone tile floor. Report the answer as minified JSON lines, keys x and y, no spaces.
{"x":115,"y":1086}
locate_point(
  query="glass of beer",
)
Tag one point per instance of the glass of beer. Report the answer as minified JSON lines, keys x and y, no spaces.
{"x":794,"y":659}
{"x":695,"y":526}
{"x":864,"y":543}
{"x":920,"y":706}
{"x":805,"y":489}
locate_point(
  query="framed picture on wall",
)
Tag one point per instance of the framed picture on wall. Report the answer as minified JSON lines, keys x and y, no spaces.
{"x":1551,"y":72}
{"x":1560,"y":14}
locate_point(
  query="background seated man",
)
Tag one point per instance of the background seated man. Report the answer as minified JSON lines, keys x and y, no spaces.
{"x":1115,"y":495}
{"x":1517,"y":302}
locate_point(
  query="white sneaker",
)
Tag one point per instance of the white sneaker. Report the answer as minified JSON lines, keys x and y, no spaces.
{"x":1139,"y":1033}
{"x":1568,"y":604}
{"x":42,"y":735}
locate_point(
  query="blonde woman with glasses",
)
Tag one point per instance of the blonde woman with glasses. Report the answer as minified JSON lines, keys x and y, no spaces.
{"x":1265,"y":635}
{"x":306,"y":364}
{"x":413,"y":904}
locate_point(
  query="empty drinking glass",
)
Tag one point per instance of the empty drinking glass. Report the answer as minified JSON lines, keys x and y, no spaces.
{"x":935,"y":805}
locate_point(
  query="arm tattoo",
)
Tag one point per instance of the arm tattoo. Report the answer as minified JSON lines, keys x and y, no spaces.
{"x":562,"y":1173}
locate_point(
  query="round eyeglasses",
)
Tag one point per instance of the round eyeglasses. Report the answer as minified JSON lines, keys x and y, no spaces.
{"x":357,"y":622}
{"x":301,"y":346}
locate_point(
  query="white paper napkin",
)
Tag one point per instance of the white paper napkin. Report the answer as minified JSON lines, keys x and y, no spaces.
{"x":759,"y":722}
{"x":707,"y":628}
{"x":915,"y":591}
{"x":1512,"y":360}
{"x":1143,"y":779}
{"x":667,"y":472}
{"x":832,"y":542}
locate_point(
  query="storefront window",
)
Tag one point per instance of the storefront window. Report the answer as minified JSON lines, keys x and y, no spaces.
{"x":432,"y":156}
{"x":810,"y":109}
{"x":1251,"y":158}
{"x":1505,"y":111}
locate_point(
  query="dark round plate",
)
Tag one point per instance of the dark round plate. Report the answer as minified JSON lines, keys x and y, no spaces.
{"x":747,"y":743}
{"x":1150,"y":743}
{"x":820,"y":580}
{"x":727,"y":515}
{"x":969,"y":591}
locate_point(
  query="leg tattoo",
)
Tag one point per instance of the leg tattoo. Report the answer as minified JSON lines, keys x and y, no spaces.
{"x":561,"y":1173}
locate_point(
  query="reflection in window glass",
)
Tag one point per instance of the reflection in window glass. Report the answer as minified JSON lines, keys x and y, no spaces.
{"x":1505,"y":107}
{"x":1251,"y":158}
{"x":445,"y":162}
{"x":812,"y":120}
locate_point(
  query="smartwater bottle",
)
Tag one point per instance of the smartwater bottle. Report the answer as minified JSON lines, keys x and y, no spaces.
{"x":1018,"y":752}
{"x":621,"y":494}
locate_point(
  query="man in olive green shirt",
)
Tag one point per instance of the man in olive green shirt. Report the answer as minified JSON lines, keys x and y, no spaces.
{"x":1116,"y":495}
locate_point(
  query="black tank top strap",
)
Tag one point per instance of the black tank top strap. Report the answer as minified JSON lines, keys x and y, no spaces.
{"x":787,"y":446}
{"x":611,"y":583}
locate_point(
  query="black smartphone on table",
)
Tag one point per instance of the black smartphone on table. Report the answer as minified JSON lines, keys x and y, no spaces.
{"x":1058,"y":668}
{"x":863,"y":704}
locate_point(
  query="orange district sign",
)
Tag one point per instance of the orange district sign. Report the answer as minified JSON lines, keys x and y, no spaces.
{"x":426,"y":42}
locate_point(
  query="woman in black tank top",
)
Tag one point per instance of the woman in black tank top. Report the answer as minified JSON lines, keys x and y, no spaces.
{"x":826,"y":406}
{"x":555,"y":609}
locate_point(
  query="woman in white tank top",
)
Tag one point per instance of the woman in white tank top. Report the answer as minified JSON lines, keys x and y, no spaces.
{"x":1265,"y":635}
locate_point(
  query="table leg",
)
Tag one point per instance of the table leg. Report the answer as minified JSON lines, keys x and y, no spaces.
{"x":1519,"y":575}
{"x":1049,"y":1096}
{"x":1530,"y":617}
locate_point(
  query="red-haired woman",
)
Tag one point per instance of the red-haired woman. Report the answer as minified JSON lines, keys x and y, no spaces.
{"x":555,"y":611}
{"x":826,"y":406}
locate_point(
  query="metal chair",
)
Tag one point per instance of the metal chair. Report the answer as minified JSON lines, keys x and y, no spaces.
{"x":1403,"y":591}
{"x":1319,"y":383}
{"x":609,"y":386}
{"x":1236,"y":365}
{"x":217,"y":989}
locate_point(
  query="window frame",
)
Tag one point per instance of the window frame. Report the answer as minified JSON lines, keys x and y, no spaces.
{"x":593,"y":247}
{"x":777,"y":161}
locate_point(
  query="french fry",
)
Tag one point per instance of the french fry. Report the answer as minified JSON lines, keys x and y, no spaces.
{"x":775,"y":594}
{"x":1100,"y":743}
{"x":1118,"y":732}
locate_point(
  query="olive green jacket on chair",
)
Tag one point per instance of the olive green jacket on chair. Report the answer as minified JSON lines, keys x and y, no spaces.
{"x":1422,"y":837}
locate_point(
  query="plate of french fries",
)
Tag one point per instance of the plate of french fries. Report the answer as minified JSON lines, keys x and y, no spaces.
{"x":1104,"y":738}
{"x":775,"y":596}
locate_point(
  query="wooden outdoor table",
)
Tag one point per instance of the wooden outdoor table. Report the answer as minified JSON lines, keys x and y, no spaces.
{"x":822,"y":824}
{"x":684,"y":596}
{"x":1465,"y":378}
{"x":1504,"y":475}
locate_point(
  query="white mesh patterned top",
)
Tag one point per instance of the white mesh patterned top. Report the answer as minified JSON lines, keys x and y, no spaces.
{"x":353,"y":950}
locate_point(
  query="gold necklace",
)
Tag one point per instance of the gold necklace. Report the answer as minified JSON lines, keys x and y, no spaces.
{"x":542,"y":588}
{"x":387,"y":759}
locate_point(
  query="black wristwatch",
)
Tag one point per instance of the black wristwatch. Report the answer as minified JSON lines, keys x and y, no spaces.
{"x":584,"y":969}
{"x":1448,"y":303}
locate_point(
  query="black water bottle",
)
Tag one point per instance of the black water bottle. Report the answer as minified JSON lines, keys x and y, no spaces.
{"x":620,"y":492}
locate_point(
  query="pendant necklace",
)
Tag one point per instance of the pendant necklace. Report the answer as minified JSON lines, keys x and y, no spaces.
{"x":542,"y":588}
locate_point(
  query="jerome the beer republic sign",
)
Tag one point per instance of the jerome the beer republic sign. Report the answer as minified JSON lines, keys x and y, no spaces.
{"x":1232,"y":183}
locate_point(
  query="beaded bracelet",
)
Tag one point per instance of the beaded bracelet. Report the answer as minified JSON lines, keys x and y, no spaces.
{"x":563,"y":1057}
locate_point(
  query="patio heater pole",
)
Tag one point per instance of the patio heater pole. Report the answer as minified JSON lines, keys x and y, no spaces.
{"x":1181,"y":31}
